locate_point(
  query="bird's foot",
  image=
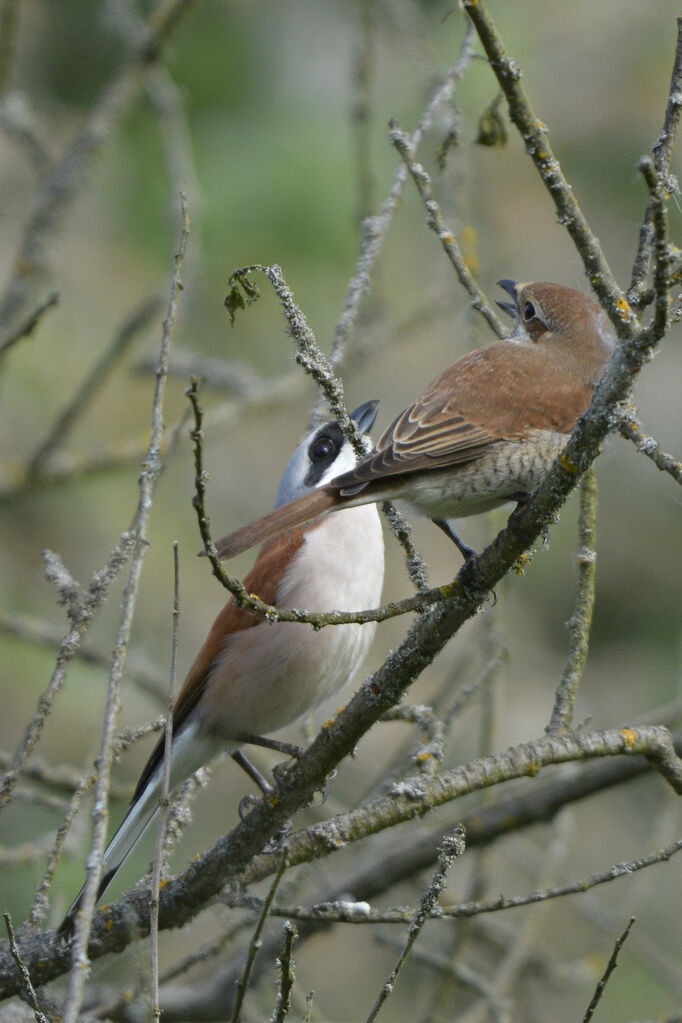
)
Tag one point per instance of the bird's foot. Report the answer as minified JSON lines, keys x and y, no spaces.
{"x":274,"y":844}
{"x":464,"y":549}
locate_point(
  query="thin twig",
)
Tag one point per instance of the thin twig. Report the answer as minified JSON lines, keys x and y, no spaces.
{"x":631,"y":428}
{"x":536,"y":142}
{"x":41,"y":633}
{"x":65,"y":467}
{"x":341,"y":911}
{"x":612,"y":963}
{"x":81,"y":615}
{"x":364,"y":69}
{"x":662,"y":152}
{"x":286,"y":973}
{"x":452,"y":847}
{"x":164,"y":800}
{"x":66,"y":179}
{"x":308,"y":353}
{"x":580,"y":622}
{"x":26,"y":328}
{"x":659,"y":195}
{"x":319,"y":619}
{"x":376,"y":228}
{"x":448,"y":239}
{"x":26,"y":976}
{"x":254,"y":944}
{"x":95,"y":379}
{"x":80,"y":788}
{"x":18,"y":123}
{"x":147,"y":483}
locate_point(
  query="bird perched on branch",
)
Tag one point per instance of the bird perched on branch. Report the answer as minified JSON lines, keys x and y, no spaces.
{"x":252,"y":677}
{"x":484,"y":432}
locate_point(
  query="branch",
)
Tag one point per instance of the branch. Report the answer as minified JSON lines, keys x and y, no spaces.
{"x":164,"y":800}
{"x":536,"y":141}
{"x":662,"y":152}
{"x":84,"y":394}
{"x":631,"y":428}
{"x":26,"y":328}
{"x":452,"y":847}
{"x":81,"y":614}
{"x":361,"y":913}
{"x":147,"y":483}
{"x":285,"y":962}
{"x":581,"y":620}
{"x":255,"y":942}
{"x":607,"y":973}
{"x":40,"y":633}
{"x":318,"y":619}
{"x":376,"y":228}
{"x":65,"y":181}
{"x":448,"y":240}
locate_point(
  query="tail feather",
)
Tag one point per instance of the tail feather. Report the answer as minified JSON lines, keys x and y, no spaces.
{"x":191,"y":749}
{"x":311,"y":506}
{"x":121,"y":845}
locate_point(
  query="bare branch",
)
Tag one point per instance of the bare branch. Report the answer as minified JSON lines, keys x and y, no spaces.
{"x":81,"y":615}
{"x":612,"y":963}
{"x":536,"y":141}
{"x":452,"y":847}
{"x":164,"y":800}
{"x":147,"y":482}
{"x":65,"y":181}
{"x":581,"y":620}
{"x":83,"y":396}
{"x":41,"y":633}
{"x":286,"y":973}
{"x":662,"y":152}
{"x":254,"y":945}
{"x":448,"y":240}
{"x":26,"y":328}
{"x":40,"y":1016}
{"x":631,"y":428}
{"x":376,"y":228}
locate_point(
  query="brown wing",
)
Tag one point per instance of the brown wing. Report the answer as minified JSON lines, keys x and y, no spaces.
{"x":263,"y":580}
{"x":484,"y":397}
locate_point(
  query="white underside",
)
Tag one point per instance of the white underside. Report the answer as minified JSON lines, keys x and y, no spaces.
{"x":270,"y":675}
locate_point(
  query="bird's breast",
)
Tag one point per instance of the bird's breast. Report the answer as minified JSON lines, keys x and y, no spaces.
{"x":269,"y":675}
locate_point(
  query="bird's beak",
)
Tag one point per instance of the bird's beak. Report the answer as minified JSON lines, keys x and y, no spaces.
{"x":364,"y":415}
{"x":510,"y":287}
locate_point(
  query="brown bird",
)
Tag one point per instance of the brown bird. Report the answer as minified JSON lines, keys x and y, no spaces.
{"x":485,"y":431}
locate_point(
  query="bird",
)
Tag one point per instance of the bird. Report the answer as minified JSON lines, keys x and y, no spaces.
{"x":251,"y":676}
{"x":484,"y":432}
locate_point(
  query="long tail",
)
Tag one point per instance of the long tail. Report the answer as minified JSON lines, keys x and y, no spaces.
{"x":311,"y":506}
{"x":191,"y":750}
{"x":133,"y":826}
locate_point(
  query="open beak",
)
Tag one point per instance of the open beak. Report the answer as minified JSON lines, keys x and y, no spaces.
{"x":364,"y":415}
{"x":509,"y":307}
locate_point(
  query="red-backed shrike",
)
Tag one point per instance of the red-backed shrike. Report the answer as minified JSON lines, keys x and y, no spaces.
{"x":485,"y":431}
{"x":252,"y":677}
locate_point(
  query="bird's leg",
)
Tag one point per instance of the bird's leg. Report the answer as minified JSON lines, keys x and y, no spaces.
{"x":467,"y":552}
{"x":254,"y":774}
{"x":463,"y":548}
{"x":290,"y":748}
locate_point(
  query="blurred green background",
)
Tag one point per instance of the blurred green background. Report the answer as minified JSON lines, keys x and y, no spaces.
{"x":269,"y":91}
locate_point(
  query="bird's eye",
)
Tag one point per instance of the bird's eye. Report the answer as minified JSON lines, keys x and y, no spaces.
{"x":528,"y":311}
{"x":321,"y":449}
